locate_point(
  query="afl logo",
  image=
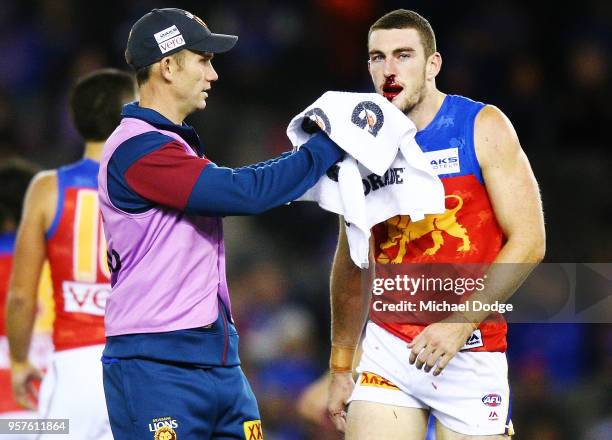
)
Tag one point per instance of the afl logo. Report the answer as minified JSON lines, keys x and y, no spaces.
{"x":320,"y":118}
{"x":368,"y":114}
{"x":492,"y":400}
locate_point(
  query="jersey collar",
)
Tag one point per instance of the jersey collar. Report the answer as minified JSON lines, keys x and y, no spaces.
{"x":157,"y":120}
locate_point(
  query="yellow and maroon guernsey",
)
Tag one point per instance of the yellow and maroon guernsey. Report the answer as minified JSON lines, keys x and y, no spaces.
{"x":76,"y":249}
{"x":467,"y":232}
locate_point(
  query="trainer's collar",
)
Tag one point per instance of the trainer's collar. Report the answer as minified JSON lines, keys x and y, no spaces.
{"x":159,"y":121}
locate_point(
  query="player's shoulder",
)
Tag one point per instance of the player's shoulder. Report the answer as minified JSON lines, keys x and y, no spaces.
{"x":494,"y":135}
{"x":44,"y":181}
{"x":491,"y":118}
{"x":43,"y":188}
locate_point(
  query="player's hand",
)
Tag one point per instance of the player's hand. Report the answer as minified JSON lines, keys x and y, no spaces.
{"x":437,"y":344}
{"x":312,"y":403}
{"x":24,"y":377}
{"x":340,"y":390}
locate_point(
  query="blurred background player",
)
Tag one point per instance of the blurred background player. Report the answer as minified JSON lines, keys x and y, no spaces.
{"x":483,"y":168}
{"x":61,"y":222}
{"x":15,"y":175}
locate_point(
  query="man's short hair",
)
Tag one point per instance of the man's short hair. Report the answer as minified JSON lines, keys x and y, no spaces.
{"x":405,"y":19}
{"x":96,"y":101}
{"x":15,"y":175}
{"x":144,"y":73}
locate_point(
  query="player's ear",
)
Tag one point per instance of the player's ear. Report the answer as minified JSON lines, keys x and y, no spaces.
{"x":434,"y":64}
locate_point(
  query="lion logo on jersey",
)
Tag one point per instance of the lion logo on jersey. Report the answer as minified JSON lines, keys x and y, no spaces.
{"x":401,"y":231}
{"x":165,"y":433}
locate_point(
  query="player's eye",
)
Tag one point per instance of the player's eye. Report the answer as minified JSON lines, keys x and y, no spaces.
{"x":376,"y":58}
{"x":404,"y":55}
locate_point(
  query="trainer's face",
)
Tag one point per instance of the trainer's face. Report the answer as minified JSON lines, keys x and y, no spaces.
{"x":398,"y":66}
{"x":194,"y":79}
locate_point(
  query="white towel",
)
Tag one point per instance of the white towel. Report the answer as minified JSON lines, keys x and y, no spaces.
{"x":406,"y":186}
{"x":365,"y":125}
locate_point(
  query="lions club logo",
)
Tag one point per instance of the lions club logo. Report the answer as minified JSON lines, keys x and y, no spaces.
{"x":164,"y":428}
{"x":165,"y":433}
{"x":367,"y":114}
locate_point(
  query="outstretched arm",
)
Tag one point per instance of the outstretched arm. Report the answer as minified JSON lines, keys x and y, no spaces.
{"x":153,"y":169}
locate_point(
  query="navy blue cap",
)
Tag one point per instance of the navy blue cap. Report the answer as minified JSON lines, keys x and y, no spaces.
{"x":163,"y":32}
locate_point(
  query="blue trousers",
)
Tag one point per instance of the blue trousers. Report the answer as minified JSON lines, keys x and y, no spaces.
{"x":149,"y":399}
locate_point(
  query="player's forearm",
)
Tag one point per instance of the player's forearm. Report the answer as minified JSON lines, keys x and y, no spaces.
{"x":512,"y":266}
{"x":350,"y":300}
{"x":349,"y":305}
{"x":20,"y":316}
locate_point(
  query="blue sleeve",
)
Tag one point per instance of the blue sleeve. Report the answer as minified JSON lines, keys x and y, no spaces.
{"x":221,"y":191}
{"x":265,"y":163}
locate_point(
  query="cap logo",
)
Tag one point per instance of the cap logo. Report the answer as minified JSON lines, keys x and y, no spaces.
{"x":169,"y":39}
{"x":196,"y":18}
{"x":166,"y":34}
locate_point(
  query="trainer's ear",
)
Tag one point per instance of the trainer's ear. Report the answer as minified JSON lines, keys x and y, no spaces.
{"x":166,"y":68}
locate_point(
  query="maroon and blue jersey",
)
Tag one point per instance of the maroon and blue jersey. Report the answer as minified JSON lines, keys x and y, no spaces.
{"x":162,"y":202}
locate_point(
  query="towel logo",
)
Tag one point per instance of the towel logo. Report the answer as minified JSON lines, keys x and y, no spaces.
{"x":368,"y":114}
{"x":319,"y":116}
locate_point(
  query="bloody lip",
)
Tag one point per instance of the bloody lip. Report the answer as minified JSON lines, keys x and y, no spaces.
{"x":391,"y":90}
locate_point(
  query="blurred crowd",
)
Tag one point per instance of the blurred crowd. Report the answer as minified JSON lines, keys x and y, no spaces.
{"x":547,"y":67}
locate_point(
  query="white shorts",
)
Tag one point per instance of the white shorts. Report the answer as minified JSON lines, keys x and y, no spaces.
{"x":471,"y":396}
{"x":72,"y":389}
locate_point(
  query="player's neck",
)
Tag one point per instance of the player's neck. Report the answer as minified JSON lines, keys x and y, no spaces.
{"x":423,"y":113}
{"x":93,"y":150}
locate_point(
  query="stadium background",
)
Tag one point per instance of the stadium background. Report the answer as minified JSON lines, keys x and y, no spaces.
{"x":546,"y":67}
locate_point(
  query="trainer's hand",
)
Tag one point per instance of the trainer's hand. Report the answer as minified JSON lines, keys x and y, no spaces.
{"x":340,"y":390}
{"x":438,"y":343}
{"x":23,"y":378}
{"x":310,"y":126}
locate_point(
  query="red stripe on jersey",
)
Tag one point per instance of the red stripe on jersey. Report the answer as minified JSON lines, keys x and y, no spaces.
{"x":76,"y":253}
{"x":166,"y":176}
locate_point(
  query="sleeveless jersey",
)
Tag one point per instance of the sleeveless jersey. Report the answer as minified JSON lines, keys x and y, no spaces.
{"x":467,"y":232}
{"x":76,"y":249}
